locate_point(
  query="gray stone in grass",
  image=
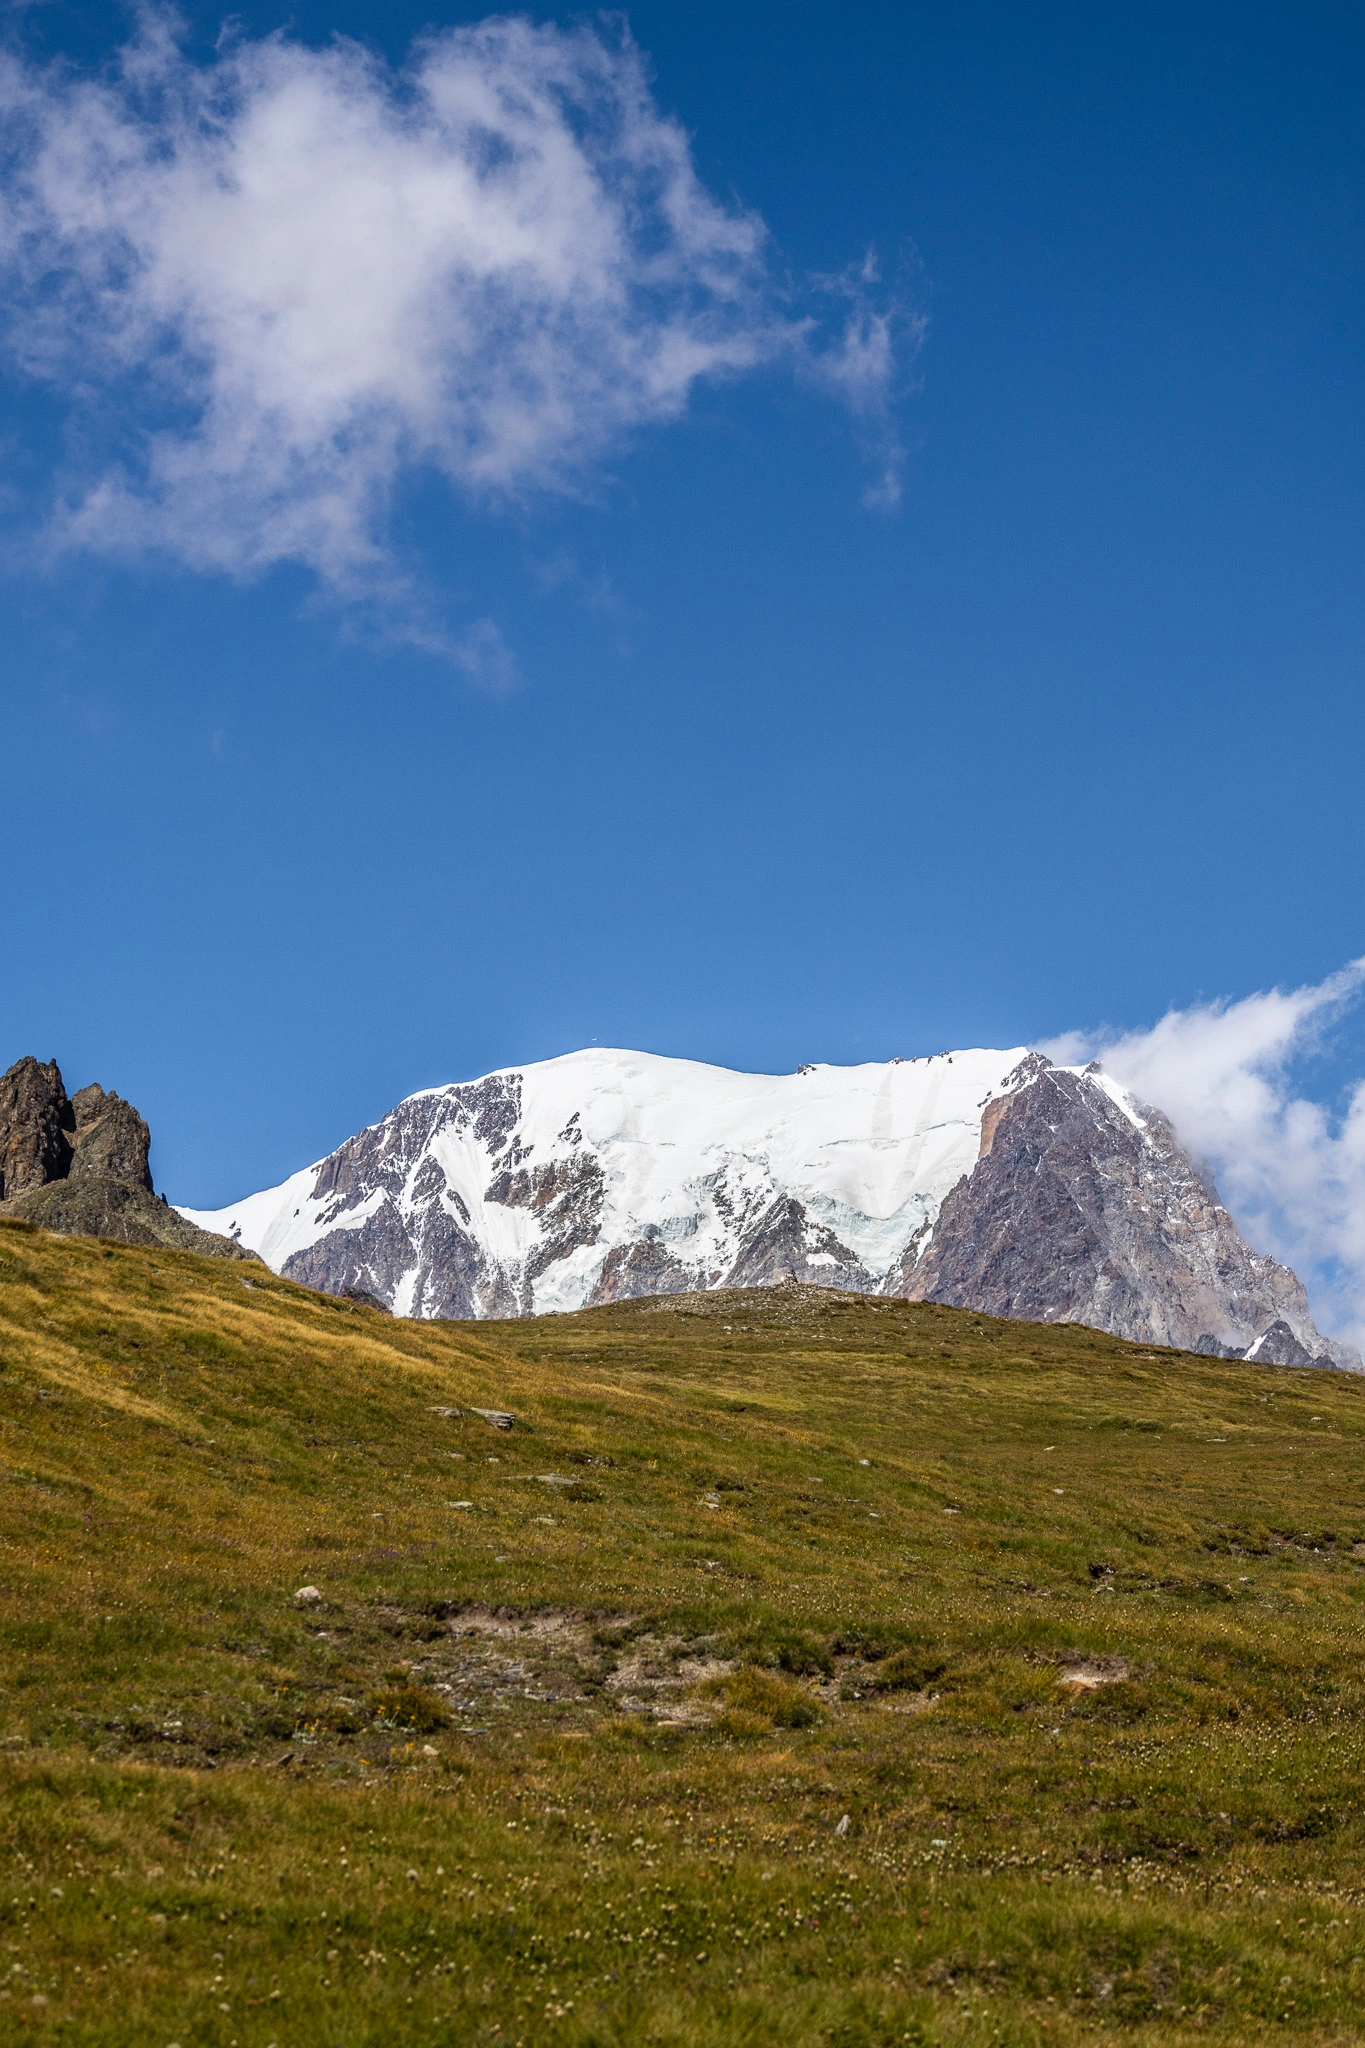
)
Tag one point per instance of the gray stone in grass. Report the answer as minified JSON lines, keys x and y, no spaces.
{"x":308,"y":1596}
{"x":497,"y":1416}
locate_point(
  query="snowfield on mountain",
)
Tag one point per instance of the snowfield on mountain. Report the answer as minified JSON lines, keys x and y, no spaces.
{"x":985,"y":1179}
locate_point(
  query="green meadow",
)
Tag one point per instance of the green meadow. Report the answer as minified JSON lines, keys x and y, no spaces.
{"x":798,"y":1668}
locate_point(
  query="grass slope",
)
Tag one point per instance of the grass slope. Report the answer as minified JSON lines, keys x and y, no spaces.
{"x":883,"y":1674}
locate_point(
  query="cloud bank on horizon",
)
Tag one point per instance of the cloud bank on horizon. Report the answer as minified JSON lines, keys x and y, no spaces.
{"x":1289,"y":1170}
{"x":272,"y":285}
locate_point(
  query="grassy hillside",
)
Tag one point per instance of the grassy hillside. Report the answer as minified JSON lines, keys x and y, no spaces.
{"x":799,"y":1668}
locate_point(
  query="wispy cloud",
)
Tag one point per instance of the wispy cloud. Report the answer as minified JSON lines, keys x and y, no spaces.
{"x":272,"y":285}
{"x":876,"y":333}
{"x":1291,"y":1171}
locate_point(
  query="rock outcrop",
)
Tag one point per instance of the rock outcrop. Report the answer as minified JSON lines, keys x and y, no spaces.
{"x":989,"y":1180}
{"x":36,"y":1126}
{"x":110,"y":1140}
{"x":79,"y":1165}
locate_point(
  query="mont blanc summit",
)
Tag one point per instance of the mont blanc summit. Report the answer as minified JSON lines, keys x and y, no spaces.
{"x":990,"y":1180}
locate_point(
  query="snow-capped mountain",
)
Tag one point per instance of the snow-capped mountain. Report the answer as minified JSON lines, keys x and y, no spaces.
{"x":991,"y":1180}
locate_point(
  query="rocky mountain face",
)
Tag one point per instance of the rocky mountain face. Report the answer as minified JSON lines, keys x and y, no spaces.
{"x":988,"y":1180}
{"x":79,"y":1165}
{"x":1082,"y":1211}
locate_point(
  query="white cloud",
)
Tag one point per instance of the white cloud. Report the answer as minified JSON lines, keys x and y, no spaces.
{"x":273,"y":285}
{"x":1290,"y":1171}
{"x":860,"y":369}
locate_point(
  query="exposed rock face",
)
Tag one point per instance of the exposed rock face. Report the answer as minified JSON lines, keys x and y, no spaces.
{"x":36,"y":1123}
{"x":1210,"y":1346}
{"x":365,"y":1300}
{"x":110,"y":1139}
{"x":645,"y":1267}
{"x":79,"y":1165}
{"x":406,"y":1237}
{"x":989,"y":1180}
{"x":787,"y":1243}
{"x":1279,"y":1346}
{"x":1077,"y":1212}
{"x":566,"y":1195}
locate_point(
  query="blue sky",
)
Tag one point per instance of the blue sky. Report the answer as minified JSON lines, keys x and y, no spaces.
{"x":674,"y":732}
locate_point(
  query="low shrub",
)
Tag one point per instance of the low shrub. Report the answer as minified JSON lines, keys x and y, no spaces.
{"x":903,"y":1671}
{"x":410,"y":1706}
{"x":774,"y":1701}
{"x":804,"y":1656}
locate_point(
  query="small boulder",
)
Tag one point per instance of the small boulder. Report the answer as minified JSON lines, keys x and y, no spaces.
{"x":1091,"y":1675}
{"x":499,"y":1418}
{"x":308,"y":1596}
